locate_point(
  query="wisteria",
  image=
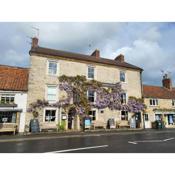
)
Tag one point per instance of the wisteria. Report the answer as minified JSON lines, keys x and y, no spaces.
{"x":106,"y":97}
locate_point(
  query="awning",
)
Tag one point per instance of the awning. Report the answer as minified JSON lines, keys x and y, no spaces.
{"x":10,"y":110}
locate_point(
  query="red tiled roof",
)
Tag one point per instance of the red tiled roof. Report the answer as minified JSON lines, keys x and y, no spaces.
{"x":80,"y":57}
{"x":13,"y":78}
{"x":158,"y":92}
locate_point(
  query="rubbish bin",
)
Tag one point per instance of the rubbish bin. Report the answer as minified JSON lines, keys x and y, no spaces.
{"x":159,"y":124}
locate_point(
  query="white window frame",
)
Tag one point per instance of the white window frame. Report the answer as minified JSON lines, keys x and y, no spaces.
{"x":125,"y":76}
{"x":56,"y":115}
{"x":95,"y":96}
{"x":126,"y":97}
{"x":46,"y":92}
{"x":9,"y":96}
{"x":88,"y":72}
{"x":96,"y":113}
{"x":58,"y":68}
{"x":156,"y":101}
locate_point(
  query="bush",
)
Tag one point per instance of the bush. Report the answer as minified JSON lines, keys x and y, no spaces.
{"x":62,"y":125}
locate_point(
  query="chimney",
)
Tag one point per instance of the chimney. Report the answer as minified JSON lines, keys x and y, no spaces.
{"x":35,"y":42}
{"x":96,"y":53}
{"x":120,"y":58}
{"x":166,"y":82}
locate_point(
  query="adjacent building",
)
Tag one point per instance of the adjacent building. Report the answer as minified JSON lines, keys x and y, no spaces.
{"x":160,"y":102}
{"x":46,"y":65}
{"x":13,"y":98}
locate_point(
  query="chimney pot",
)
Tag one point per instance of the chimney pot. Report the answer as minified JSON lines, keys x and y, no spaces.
{"x":120,"y":58}
{"x":96,"y":53}
{"x":35,"y":42}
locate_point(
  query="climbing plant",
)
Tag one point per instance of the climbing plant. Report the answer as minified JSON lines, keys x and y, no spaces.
{"x":76,"y":88}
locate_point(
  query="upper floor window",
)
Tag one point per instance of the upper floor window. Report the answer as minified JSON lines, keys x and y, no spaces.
{"x":51,"y":93}
{"x":91,"y":96}
{"x":173,"y":102}
{"x":123,"y":98}
{"x":7,"y":99}
{"x":122,"y":76}
{"x":153,"y":102}
{"x":52,"y":67}
{"x":91,"y":72}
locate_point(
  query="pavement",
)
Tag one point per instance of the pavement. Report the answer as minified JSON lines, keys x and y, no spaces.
{"x":111,"y":141}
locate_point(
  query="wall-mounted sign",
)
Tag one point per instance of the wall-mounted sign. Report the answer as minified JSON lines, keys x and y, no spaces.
{"x":64,"y":117}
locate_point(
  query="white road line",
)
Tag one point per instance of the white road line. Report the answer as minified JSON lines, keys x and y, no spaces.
{"x":76,"y":149}
{"x":168,"y":139}
{"x":150,"y":141}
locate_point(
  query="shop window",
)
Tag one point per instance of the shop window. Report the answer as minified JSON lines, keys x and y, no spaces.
{"x":8,"y":117}
{"x":124,"y":115}
{"x":7,"y":99}
{"x":92,"y":114}
{"x":50,"y":115}
{"x":153,"y":102}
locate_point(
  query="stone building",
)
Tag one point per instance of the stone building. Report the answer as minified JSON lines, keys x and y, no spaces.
{"x":46,"y":65}
{"x":13,"y":98}
{"x":160,"y":102}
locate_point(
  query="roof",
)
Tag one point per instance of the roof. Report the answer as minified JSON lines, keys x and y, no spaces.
{"x":158,"y":92}
{"x":80,"y":57}
{"x":13,"y":78}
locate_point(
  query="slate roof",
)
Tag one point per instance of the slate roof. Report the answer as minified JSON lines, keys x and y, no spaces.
{"x":81,"y":57}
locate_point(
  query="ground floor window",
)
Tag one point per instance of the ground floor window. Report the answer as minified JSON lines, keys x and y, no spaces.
{"x":92,"y":114}
{"x":158,"y":116}
{"x":8,"y":117}
{"x":50,"y":115}
{"x":124,"y":115}
{"x":171,"y":119}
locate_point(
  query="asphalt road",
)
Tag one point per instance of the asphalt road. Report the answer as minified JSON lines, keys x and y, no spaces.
{"x":124,"y":142}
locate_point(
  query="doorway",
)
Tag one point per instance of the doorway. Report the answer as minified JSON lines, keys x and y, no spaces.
{"x":71,"y":115}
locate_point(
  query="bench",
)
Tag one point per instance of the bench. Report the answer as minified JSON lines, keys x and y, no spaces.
{"x":8,"y":127}
{"x":48,"y":126}
{"x":97,"y":124}
{"x":123,"y":124}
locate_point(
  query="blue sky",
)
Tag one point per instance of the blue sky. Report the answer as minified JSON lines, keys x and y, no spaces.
{"x":148,"y":45}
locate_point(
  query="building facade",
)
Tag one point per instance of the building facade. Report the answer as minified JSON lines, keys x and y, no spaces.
{"x":46,"y":65}
{"x":13,"y":97}
{"x":160,"y":102}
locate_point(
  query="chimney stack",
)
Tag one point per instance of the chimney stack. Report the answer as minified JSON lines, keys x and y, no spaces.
{"x":166,"y":82}
{"x":35,"y":42}
{"x":120,"y":58}
{"x":96,"y":53}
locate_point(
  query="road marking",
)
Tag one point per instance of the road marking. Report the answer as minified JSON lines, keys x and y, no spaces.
{"x":150,"y":141}
{"x":76,"y":149}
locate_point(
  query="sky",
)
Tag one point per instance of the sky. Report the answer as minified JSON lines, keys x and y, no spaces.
{"x":147,"y":45}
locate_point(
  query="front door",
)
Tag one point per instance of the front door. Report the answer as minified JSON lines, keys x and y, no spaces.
{"x":71,"y":115}
{"x":138,"y":119}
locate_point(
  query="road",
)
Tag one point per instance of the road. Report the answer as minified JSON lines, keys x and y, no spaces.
{"x":125,"y":142}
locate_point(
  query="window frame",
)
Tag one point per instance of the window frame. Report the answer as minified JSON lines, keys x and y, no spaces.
{"x":94,"y":96}
{"x":56,"y":95}
{"x":126,"y":116}
{"x":93,"y":110}
{"x":5,"y":96}
{"x":56,"y":115}
{"x":57,"y":69}
{"x":122,"y":71}
{"x":153,"y":102}
{"x":91,"y":66}
{"x":126,"y":98}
